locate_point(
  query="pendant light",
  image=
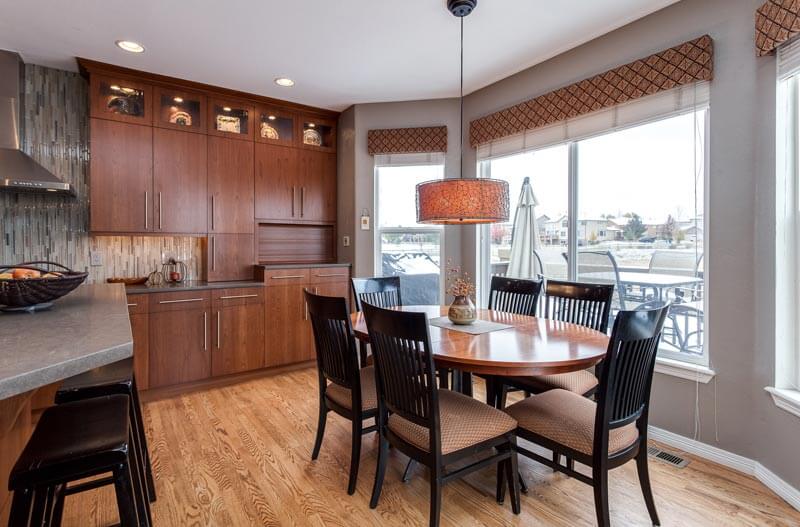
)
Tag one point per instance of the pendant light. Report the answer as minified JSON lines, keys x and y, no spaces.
{"x":461,"y":201}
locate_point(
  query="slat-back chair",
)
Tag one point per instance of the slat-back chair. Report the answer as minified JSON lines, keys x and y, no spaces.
{"x":611,"y":432}
{"x":381,"y":291}
{"x":343,"y":387}
{"x":427,"y":423}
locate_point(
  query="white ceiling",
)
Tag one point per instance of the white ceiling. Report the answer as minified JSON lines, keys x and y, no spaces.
{"x":339,"y":52}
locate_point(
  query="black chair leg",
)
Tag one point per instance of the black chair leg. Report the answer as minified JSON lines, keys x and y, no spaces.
{"x":362,"y":349}
{"x":380,"y":470}
{"x":512,"y":475}
{"x":436,"y":497}
{"x":523,"y":487}
{"x":644,"y":481}
{"x":58,"y":506}
{"x":601,"y":498}
{"x":123,"y":485}
{"x":355,"y":455}
{"x":408,"y":470}
{"x":502,"y":396}
{"x":556,"y":458}
{"x":323,"y":418}
{"x":21,"y":508}
{"x":139,"y":481}
{"x":491,"y":392}
{"x":500,"y":495}
{"x":137,"y":421}
{"x":570,"y":463}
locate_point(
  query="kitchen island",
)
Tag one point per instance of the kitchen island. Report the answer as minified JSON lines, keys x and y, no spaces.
{"x":86,"y":329}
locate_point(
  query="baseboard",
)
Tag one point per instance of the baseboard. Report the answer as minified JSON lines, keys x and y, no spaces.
{"x":739,"y":463}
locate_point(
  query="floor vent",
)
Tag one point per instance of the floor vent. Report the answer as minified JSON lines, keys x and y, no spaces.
{"x":667,"y":457}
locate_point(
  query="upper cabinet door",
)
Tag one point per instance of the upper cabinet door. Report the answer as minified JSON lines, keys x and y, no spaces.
{"x":277,"y":186}
{"x":121,"y":177}
{"x":179,"y":182}
{"x":275,"y":126}
{"x":230,"y":186}
{"x":231,"y":118}
{"x":317,"y":133}
{"x":181,"y":110}
{"x":318,"y":187}
{"x":120,"y":100}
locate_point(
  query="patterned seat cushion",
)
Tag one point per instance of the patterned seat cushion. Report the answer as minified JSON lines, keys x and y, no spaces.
{"x":578,"y":382}
{"x":568,"y":419}
{"x":369,"y":395}
{"x":464,"y":422}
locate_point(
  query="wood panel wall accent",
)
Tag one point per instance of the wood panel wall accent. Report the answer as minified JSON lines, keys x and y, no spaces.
{"x":776,"y":22}
{"x":421,"y":140}
{"x":689,"y":62}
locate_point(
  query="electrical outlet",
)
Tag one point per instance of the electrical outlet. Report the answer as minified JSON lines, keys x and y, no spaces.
{"x":346,"y":241}
{"x":96,"y":258}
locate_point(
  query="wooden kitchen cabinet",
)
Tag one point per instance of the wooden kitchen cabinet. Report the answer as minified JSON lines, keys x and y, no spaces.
{"x":230,"y":186}
{"x":317,"y":186}
{"x":179,"y":182}
{"x":120,"y":99}
{"x":238,"y":330}
{"x":121,"y":177}
{"x":180,"y":334}
{"x":288,"y":329}
{"x":276,"y":182}
{"x":137,"y":310}
{"x":228,"y":257}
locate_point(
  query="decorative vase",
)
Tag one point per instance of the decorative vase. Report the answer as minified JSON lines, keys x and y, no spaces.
{"x":462,"y":311}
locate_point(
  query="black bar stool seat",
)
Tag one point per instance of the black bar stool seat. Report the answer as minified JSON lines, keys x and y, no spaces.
{"x":115,"y":378}
{"x":71,"y":442}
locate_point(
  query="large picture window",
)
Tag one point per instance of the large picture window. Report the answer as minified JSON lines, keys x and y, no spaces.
{"x":404,"y":247}
{"x":624,"y":207}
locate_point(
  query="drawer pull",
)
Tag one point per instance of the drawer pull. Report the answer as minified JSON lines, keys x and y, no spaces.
{"x":132,"y":305}
{"x":288,"y":276}
{"x":237,"y":296}
{"x":331,"y":274}
{"x":180,"y":301}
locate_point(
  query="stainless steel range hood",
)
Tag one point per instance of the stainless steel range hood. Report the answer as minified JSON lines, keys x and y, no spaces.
{"x":18,"y":171}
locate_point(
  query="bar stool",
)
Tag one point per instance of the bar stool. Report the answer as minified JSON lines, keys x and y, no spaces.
{"x":114,"y":379}
{"x":73,"y":441}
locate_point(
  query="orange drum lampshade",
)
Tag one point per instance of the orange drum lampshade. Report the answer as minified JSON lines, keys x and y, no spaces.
{"x":462,"y":201}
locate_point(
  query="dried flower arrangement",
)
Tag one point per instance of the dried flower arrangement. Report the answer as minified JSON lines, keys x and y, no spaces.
{"x":458,"y":283}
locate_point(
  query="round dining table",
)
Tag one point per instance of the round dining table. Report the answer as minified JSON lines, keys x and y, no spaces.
{"x":530,"y":346}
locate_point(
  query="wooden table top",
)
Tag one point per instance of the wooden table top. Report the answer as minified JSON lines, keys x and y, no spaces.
{"x":532,"y":346}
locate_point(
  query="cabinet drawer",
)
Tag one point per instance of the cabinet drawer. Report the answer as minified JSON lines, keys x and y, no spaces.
{"x":327,"y":275}
{"x":138,"y":303}
{"x":179,"y":301}
{"x":238,"y":296}
{"x":286,"y":276}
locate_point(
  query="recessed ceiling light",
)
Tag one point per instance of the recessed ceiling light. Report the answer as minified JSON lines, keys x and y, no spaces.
{"x":226,"y":108}
{"x":130,"y":45}
{"x":178,"y":99}
{"x":271,"y":117}
{"x":285,"y":82}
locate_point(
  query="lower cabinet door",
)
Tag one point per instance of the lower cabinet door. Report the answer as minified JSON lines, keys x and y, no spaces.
{"x":238,"y":339}
{"x":180,"y":346}
{"x":287,"y":327}
{"x":340,"y":289}
{"x":141,"y":349}
{"x":229,"y":257}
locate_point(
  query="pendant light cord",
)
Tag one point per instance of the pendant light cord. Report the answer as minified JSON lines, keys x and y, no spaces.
{"x":461,"y":117}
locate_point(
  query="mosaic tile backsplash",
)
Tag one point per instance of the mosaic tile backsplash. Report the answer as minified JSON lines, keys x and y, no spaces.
{"x":52,"y":227}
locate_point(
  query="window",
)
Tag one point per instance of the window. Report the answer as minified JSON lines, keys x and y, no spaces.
{"x":636,"y":195}
{"x":404,"y":247}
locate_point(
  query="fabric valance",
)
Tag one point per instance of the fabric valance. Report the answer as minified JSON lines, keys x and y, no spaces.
{"x":426,"y":139}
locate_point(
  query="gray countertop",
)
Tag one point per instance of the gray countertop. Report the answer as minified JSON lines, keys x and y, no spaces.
{"x":299,"y":266}
{"x":86,"y":329}
{"x":191,"y":285}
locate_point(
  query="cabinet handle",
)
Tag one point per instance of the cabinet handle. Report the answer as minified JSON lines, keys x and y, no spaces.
{"x":213,"y":253}
{"x":180,"y":301}
{"x":302,"y":200}
{"x":145,"y":210}
{"x":219,"y":329}
{"x":293,"y":197}
{"x":159,"y":211}
{"x":228,"y":297}
{"x":212,"y":212}
{"x":205,"y":331}
{"x":287,"y":276}
{"x":329,"y":274}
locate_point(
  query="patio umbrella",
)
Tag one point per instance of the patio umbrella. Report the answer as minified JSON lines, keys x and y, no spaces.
{"x":524,"y":236}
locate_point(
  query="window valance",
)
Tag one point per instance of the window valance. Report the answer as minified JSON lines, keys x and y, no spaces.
{"x":684,"y":64}
{"x":776,"y":22}
{"x":421,"y":140}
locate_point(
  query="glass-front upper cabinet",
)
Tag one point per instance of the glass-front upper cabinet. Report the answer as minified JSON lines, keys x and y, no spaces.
{"x":230,"y":118}
{"x":318,"y":133}
{"x":181,"y":110}
{"x":120,"y":99}
{"x":274,"y":125}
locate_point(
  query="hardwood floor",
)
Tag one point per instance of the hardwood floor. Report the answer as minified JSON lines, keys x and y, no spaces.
{"x":240,"y":455}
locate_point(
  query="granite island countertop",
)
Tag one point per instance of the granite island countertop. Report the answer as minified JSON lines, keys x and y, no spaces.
{"x":86,"y":329}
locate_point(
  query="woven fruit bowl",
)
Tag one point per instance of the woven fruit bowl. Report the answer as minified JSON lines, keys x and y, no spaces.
{"x":33,"y":283}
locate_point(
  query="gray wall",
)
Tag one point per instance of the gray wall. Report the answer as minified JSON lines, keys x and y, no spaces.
{"x":740,"y":258}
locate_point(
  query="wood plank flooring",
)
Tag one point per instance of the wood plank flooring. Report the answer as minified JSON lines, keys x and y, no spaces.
{"x":240,"y":455}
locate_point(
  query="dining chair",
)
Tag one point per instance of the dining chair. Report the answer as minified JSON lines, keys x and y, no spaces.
{"x":606,"y":434}
{"x":435,"y":427}
{"x":344,"y":388}
{"x":381,"y":291}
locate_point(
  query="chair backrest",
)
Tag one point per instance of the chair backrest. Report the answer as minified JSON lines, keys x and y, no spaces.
{"x":674,"y":262}
{"x":335,"y":344}
{"x":600,"y":267}
{"x":405,"y":374}
{"x":514,"y":295}
{"x":383,"y":291}
{"x":579,"y":303}
{"x":623,"y":395}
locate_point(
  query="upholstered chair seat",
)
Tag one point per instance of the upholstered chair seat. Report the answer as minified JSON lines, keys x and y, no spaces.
{"x":579,"y":382}
{"x":369,"y":395}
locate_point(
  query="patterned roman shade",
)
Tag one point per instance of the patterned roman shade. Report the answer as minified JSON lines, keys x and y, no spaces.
{"x":422,"y":140}
{"x":684,"y":64}
{"x":776,"y":22}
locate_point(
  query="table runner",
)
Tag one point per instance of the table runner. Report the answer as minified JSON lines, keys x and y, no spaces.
{"x":476,"y":328}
